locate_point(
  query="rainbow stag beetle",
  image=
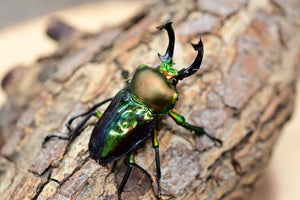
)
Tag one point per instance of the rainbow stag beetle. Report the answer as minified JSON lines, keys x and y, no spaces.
{"x":132,"y":113}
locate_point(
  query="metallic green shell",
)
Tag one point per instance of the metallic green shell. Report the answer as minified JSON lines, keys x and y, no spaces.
{"x":152,"y":88}
{"x":125,"y":123}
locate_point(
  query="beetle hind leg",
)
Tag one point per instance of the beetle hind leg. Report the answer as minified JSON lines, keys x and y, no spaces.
{"x":76,"y":131}
{"x":91,"y":110}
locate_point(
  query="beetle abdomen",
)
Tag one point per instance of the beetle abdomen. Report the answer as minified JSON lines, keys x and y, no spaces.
{"x":124,"y":124}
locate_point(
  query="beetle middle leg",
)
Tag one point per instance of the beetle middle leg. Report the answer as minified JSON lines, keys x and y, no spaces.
{"x":179,"y":119}
{"x":157,"y":159}
{"x":126,"y":176}
{"x":132,"y":162}
{"x":76,"y":131}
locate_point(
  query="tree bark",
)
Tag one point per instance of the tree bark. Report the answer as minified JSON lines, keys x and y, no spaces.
{"x":243,"y":94}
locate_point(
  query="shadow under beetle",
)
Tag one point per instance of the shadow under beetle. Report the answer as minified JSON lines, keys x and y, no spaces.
{"x":132,"y":113}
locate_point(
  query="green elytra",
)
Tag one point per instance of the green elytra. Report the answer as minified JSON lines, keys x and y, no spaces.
{"x":132,"y":114}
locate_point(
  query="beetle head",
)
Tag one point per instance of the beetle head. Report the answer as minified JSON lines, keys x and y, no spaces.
{"x":171,"y":74}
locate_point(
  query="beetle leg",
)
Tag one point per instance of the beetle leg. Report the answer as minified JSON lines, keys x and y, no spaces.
{"x":157,"y":158}
{"x":126,"y":176}
{"x":179,"y":119}
{"x":125,"y":73}
{"x":75,"y":132}
{"x":170,"y":50}
{"x":91,"y":110}
{"x":183,"y":73}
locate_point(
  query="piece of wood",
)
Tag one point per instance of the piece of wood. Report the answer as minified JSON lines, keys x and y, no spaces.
{"x":243,"y":94}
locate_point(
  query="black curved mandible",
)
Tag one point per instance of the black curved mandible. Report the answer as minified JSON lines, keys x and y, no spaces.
{"x":183,"y":73}
{"x":170,"y":50}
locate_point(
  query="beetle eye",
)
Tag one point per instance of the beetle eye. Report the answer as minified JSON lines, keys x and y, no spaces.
{"x":174,"y":81}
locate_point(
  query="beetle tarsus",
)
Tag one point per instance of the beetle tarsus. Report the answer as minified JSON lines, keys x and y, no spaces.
{"x":48,"y":137}
{"x":216,"y":141}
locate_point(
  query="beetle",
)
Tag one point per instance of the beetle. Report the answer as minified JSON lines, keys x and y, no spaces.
{"x":132,"y":114}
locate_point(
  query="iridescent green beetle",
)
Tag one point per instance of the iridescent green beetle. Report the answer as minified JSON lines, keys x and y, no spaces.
{"x":132,"y":113}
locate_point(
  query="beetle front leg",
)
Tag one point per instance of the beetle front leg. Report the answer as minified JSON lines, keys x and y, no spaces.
{"x":125,"y":73}
{"x":126,"y":176}
{"x":157,"y":159}
{"x":179,"y":119}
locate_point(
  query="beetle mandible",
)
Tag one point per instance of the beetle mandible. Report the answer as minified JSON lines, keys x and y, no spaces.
{"x":132,"y":114}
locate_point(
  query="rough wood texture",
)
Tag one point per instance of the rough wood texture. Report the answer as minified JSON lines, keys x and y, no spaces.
{"x":243,"y":94}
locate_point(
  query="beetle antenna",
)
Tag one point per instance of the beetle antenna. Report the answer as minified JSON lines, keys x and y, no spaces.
{"x":196,"y":64}
{"x":170,"y":50}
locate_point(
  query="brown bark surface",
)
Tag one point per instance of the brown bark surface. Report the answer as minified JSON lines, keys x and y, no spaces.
{"x":243,"y":94}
